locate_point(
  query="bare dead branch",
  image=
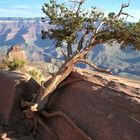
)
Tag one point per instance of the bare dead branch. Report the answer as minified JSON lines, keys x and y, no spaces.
{"x":65,"y":56}
{"x":91,"y":44}
{"x":94,"y":66}
{"x":80,"y":2}
{"x":97,"y":32}
{"x":100,"y":25}
{"x":67,"y":118}
{"x":127,"y":15}
{"x":79,"y":6}
{"x":69,"y":50}
{"x":123,"y":7}
{"x":80,"y":44}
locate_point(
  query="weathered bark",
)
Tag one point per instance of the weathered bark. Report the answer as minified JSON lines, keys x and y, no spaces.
{"x":56,"y":80}
{"x":69,"y":50}
{"x":64,"y":71}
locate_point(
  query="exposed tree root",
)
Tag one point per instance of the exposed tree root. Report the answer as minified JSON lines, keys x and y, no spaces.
{"x":48,"y":88}
{"x":42,"y":124}
{"x":63,"y":115}
{"x":26,"y":104}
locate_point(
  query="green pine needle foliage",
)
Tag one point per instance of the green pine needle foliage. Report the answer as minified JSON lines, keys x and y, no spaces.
{"x":37,"y":75}
{"x":68,"y":21}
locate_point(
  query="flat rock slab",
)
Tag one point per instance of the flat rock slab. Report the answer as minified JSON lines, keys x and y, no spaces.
{"x":105,"y":107}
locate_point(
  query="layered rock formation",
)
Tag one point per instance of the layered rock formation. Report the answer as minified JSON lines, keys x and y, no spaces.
{"x":86,"y":106}
{"x":105,"y":107}
{"x":27,"y":33}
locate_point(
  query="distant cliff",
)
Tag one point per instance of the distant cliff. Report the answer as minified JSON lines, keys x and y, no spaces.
{"x":27,"y":33}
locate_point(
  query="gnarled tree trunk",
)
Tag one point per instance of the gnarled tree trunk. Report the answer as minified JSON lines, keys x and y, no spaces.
{"x":64,"y":71}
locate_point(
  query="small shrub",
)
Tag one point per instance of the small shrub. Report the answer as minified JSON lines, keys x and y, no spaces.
{"x":15,"y":64}
{"x":37,"y":75}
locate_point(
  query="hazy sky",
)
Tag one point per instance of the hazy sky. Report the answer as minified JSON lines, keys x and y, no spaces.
{"x":32,"y":8}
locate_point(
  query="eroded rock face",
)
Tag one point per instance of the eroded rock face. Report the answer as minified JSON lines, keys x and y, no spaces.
{"x":95,"y":106}
{"x":16,"y":52}
{"x":14,"y":86}
{"x":105,"y":107}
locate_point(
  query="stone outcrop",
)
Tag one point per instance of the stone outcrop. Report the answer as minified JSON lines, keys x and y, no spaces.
{"x":86,"y":106}
{"x":14,"y":86}
{"x":104,"y":107}
{"x":16,"y":52}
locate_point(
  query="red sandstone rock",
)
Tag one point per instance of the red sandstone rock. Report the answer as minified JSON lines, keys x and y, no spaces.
{"x":105,"y":107}
{"x":7,"y":98}
{"x":13,"y":85}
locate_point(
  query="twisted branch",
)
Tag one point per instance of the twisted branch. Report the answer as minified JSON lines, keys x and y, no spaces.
{"x":123,"y":7}
{"x":94,"y":66}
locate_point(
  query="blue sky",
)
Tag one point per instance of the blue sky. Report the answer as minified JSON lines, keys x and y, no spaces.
{"x":32,"y":8}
